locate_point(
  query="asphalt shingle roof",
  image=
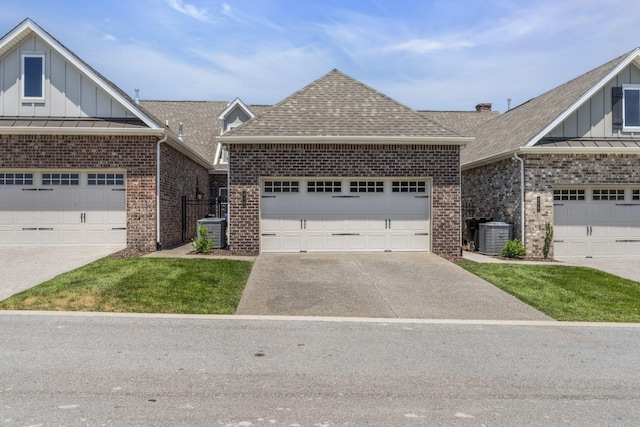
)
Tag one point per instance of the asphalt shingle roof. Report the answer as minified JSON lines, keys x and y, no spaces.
{"x":461,"y":122}
{"x":199,"y":118}
{"x":337,"y":105}
{"x":511,"y":130}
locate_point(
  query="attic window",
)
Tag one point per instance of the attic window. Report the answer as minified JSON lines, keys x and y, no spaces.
{"x":33,"y":77}
{"x":631,"y":108}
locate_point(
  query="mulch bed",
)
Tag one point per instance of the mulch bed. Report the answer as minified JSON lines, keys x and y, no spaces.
{"x":225,"y":252}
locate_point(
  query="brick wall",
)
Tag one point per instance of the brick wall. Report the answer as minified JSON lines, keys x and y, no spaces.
{"x":216,"y":181}
{"x":135,"y":154}
{"x":494,"y":190}
{"x":179,"y":176}
{"x":249,"y":162}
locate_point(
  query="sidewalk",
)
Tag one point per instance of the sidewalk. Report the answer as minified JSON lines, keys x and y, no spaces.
{"x":184,"y":252}
{"x":478,"y":257}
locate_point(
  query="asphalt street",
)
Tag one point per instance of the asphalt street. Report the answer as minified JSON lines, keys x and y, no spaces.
{"x":62,"y":369}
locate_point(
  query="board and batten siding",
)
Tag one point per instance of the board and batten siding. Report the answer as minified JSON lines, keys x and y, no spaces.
{"x":67,"y":92}
{"x":594,"y":118}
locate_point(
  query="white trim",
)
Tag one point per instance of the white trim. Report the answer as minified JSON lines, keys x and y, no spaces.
{"x":28,"y":26}
{"x":236,"y":103}
{"x":585,"y":97}
{"x":29,"y":130}
{"x":23,"y":57}
{"x":404,"y":140}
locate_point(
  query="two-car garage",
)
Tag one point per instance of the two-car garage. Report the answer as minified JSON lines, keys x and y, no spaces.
{"x":345,"y":214}
{"x":597,"y":222}
{"x":71,"y":207}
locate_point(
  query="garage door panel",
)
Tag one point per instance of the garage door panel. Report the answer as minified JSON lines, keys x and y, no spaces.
{"x":346,"y":221}
{"x":62,"y":210}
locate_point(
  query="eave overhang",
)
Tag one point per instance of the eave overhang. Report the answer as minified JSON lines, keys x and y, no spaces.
{"x":403,"y":140}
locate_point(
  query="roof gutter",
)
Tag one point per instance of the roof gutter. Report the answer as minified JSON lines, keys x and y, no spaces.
{"x":405,"y":140}
{"x":32,"y":130}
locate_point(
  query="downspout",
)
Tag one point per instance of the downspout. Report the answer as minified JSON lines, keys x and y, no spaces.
{"x":160,"y":141}
{"x":521,"y":160}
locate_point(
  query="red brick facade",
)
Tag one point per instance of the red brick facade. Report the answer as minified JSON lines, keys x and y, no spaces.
{"x":249,"y":162}
{"x":134,"y":154}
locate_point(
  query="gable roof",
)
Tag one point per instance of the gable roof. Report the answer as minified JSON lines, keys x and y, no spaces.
{"x":525,"y":124}
{"x":29,"y":27}
{"x":338,"y":107}
{"x":236,"y":103}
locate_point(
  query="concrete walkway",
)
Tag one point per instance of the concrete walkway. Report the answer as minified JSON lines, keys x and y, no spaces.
{"x":395,"y":285}
{"x":25,"y":267}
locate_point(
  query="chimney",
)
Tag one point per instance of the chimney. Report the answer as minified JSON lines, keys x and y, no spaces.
{"x":180,"y":126}
{"x":137,"y":96}
{"x":486,"y":106}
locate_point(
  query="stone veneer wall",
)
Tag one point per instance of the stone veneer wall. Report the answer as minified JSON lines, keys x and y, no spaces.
{"x":494,"y":189}
{"x":135,"y":154}
{"x":179,"y":176}
{"x":247,"y":163}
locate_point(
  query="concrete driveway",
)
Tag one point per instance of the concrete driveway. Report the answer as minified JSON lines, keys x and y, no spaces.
{"x":403,"y":285}
{"x":25,"y":267}
{"x":627,"y":268}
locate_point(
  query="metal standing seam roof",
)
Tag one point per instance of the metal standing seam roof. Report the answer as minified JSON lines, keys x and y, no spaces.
{"x":510,"y":131}
{"x":337,"y":105}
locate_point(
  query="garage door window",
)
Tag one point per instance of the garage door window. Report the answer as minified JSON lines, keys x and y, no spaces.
{"x":568,"y":195}
{"x":409,"y":187}
{"x":608,"y":195}
{"x":366,"y":187}
{"x":16,"y":178}
{"x":281,"y":186}
{"x":105,"y":179}
{"x":324,"y":187}
{"x":65,"y":179}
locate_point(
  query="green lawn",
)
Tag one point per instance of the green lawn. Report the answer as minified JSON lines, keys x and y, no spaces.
{"x":141,"y":285}
{"x":565,"y":292}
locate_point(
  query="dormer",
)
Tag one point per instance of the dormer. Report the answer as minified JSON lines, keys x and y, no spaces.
{"x":234,"y":115}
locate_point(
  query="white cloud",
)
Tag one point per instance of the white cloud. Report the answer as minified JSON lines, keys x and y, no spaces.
{"x":420,"y":46}
{"x":201,"y":14}
{"x":109,"y":37}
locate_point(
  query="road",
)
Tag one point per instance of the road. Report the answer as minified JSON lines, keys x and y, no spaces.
{"x":92,"y":370}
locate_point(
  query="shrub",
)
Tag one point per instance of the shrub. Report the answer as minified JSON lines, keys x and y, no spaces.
{"x":202,"y":244}
{"x":548,"y":238}
{"x":513,"y":249}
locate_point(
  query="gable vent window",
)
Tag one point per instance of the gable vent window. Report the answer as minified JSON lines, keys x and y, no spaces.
{"x":324,"y":187}
{"x":409,"y":187}
{"x":608,"y":195}
{"x":33,"y":77}
{"x":568,"y":195}
{"x":60,"y":179}
{"x":281,"y":186}
{"x":16,"y":179}
{"x":366,"y":187}
{"x":105,"y":179}
{"x":636,"y":195}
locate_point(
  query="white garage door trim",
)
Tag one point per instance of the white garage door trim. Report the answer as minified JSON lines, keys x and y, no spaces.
{"x":62,"y":207}
{"x":599,"y":221}
{"x":327,"y":214}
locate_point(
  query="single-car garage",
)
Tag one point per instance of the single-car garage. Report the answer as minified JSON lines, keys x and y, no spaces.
{"x":53,"y":207}
{"x":345,"y":214}
{"x":597,"y":222}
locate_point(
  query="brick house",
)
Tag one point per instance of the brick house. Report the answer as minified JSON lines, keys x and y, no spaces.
{"x":570,"y":158}
{"x":339,"y":167}
{"x":81,"y":163}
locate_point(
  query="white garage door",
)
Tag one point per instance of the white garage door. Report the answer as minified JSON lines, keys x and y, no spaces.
{"x":597,"y":222}
{"x":345,"y":215}
{"x":62,"y":208}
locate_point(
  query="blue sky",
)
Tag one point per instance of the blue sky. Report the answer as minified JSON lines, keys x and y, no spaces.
{"x":439,"y":55}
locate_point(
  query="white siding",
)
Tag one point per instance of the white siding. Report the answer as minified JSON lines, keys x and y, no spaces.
{"x":68,"y":92}
{"x":593,"y":118}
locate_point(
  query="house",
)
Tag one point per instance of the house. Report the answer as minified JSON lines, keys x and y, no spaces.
{"x":569,"y":158}
{"x":338,"y":166}
{"x":81,"y":163}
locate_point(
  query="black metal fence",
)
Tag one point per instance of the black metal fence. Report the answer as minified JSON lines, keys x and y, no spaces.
{"x":195,"y":209}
